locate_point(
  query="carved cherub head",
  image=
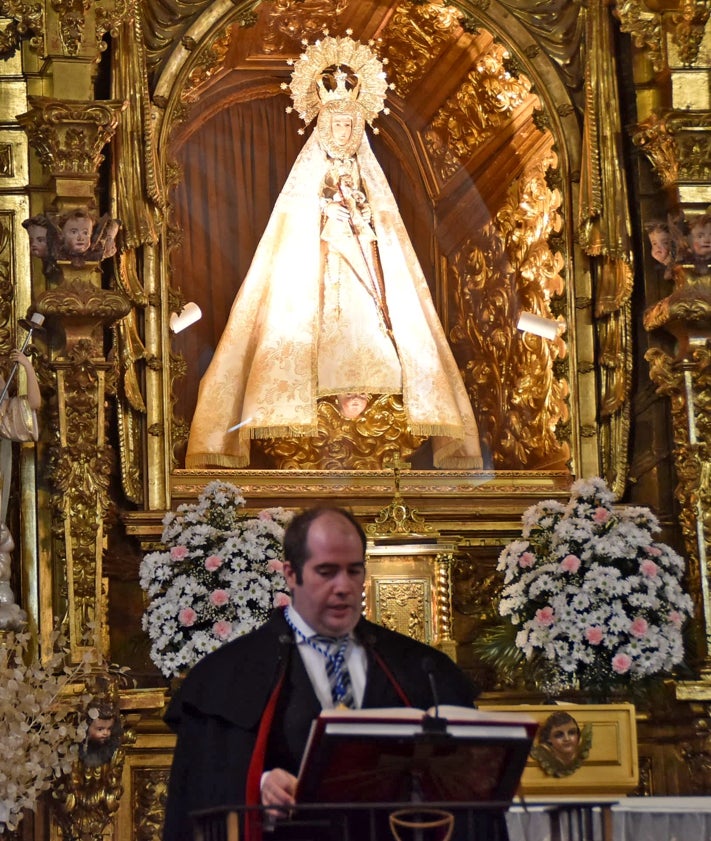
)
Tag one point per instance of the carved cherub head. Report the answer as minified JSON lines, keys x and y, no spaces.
{"x":352,"y":405}
{"x":660,"y":239}
{"x":700,"y":237}
{"x":561,"y":745}
{"x":76,"y":228}
{"x":39,"y":231}
{"x":103,"y":735}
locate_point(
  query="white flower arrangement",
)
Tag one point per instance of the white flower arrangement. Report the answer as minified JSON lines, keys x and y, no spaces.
{"x":591,"y":592}
{"x":42,"y":721}
{"x":219,"y":576}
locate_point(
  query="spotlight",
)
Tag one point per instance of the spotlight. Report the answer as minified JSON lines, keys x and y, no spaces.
{"x":189,"y":314}
{"x":547,"y":328}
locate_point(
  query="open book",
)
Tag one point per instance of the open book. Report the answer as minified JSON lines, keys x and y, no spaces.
{"x":392,"y":755}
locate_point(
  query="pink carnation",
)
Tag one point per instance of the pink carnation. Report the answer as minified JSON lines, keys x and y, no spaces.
{"x":639,"y":627}
{"x":528,"y":559}
{"x":545,"y":616}
{"x":275,"y":565}
{"x":594,"y":635}
{"x":654,"y":551}
{"x":570,"y":563}
{"x":675,"y":618}
{"x":281,"y":600}
{"x":177,"y":553}
{"x":219,"y":597}
{"x":213,"y":562}
{"x":601,"y":515}
{"x":265,"y":515}
{"x":649,"y":568}
{"x":222,"y":629}
{"x":621,"y":663}
{"x":187,"y":617}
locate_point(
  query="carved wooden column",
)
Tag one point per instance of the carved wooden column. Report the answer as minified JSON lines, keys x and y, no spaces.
{"x":673,"y":106}
{"x":686,"y":380}
{"x":68,"y":138}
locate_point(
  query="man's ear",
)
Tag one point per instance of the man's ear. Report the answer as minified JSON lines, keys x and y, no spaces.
{"x":289,"y":574}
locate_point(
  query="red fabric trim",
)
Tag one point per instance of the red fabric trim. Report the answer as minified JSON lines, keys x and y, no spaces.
{"x":389,"y":675}
{"x":253,"y":794}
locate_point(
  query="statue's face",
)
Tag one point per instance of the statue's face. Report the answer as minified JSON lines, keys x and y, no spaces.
{"x":341,"y":128}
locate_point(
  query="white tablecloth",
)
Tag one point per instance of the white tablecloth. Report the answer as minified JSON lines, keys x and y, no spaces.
{"x":633,"y":819}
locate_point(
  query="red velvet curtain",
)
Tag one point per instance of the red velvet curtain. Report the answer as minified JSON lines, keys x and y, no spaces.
{"x":233,"y":166}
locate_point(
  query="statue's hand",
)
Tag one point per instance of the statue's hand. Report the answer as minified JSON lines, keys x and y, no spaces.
{"x":19,"y":357}
{"x":336,"y":211}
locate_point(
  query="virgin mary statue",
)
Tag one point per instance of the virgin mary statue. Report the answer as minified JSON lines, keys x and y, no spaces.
{"x":335,"y":302}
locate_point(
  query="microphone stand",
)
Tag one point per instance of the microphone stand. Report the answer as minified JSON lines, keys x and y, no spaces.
{"x":35,"y":323}
{"x":433,"y":725}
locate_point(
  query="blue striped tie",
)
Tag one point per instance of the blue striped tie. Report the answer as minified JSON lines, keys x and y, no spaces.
{"x":339,"y":678}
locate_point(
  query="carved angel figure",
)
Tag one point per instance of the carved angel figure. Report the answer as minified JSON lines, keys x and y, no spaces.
{"x":76,"y":236}
{"x":561,"y":745}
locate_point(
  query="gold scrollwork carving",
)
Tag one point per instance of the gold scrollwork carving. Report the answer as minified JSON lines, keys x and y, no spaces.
{"x":80,"y":467}
{"x":83,"y":307}
{"x":69,"y":136}
{"x":150,"y":790}
{"x":678,"y":146}
{"x":26,"y":21}
{"x":645,"y":27}
{"x":689,"y":304}
{"x":696,"y":754}
{"x":475,"y":589}
{"x":655,"y":140}
{"x":209,"y":62}
{"x":363,"y":443}
{"x":298,"y":20}
{"x":485,"y":100}
{"x":414,"y":36}
{"x":7,"y":284}
{"x":398,"y":518}
{"x":685,"y":25}
{"x":691,"y":132}
{"x":110,"y":15}
{"x":509,"y":375}
{"x":72,"y":22}
{"x":402,"y":606}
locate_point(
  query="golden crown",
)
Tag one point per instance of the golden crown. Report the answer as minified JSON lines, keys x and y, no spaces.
{"x":338,"y":69}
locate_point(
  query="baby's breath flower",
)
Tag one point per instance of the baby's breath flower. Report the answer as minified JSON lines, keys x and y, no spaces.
{"x":588,"y":589}
{"x":217,"y":578}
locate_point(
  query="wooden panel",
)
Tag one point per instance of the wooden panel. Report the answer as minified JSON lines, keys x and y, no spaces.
{"x":611,"y":767}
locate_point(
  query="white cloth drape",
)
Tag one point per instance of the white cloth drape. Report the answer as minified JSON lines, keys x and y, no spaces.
{"x":281,"y":339}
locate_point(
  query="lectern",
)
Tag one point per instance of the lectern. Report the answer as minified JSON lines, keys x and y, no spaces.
{"x":362,"y":766}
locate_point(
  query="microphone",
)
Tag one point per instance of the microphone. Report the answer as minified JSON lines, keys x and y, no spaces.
{"x":433,"y":724}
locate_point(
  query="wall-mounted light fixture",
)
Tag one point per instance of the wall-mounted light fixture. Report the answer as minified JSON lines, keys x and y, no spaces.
{"x":547,"y":328}
{"x":189,"y":314}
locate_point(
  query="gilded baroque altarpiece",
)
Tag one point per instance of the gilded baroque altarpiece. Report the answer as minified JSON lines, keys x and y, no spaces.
{"x":526,"y":150}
